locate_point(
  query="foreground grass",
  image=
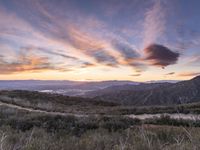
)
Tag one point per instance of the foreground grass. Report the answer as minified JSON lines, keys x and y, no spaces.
{"x":137,"y":138}
{"x":21,"y":130}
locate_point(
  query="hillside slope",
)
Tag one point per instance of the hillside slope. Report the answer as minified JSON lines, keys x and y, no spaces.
{"x":152,"y":94}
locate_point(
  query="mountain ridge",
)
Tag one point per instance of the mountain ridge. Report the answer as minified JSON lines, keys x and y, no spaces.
{"x":154,"y":94}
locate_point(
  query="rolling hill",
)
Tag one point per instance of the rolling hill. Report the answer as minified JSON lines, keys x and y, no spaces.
{"x":151,"y":93}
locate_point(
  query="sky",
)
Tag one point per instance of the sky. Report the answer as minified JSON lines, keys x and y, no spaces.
{"x":138,"y":40}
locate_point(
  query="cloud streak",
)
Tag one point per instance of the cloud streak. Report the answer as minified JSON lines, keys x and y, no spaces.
{"x":126,"y":50}
{"x":49,"y":51}
{"x":25,"y":64}
{"x":170,"y":73}
{"x":194,"y":60}
{"x":154,"y":23}
{"x":189,"y":74}
{"x":26,"y":60}
{"x":135,"y":75}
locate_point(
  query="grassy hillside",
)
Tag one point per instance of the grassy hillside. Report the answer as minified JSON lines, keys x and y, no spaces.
{"x":36,"y":131}
{"x":65,"y":104}
{"x":53,"y":102}
{"x":26,"y":130}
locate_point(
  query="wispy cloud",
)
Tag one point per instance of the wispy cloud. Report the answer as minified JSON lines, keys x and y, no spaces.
{"x":25,"y":63}
{"x":127,"y":51}
{"x":189,"y":74}
{"x":194,"y":60}
{"x":49,"y":51}
{"x":154,"y":23}
{"x":26,"y":59}
{"x":136,"y":75}
{"x":87,"y":65}
{"x":170,"y":73}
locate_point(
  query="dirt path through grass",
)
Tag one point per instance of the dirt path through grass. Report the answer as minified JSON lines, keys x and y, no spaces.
{"x":141,"y":117}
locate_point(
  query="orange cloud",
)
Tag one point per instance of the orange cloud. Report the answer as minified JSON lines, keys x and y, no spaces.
{"x":170,"y":73}
{"x":189,"y":74}
{"x":135,"y":75}
{"x":26,"y":62}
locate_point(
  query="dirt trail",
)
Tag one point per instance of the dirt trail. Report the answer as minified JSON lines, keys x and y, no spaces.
{"x":40,"y":111}
{"x":142,"y":116}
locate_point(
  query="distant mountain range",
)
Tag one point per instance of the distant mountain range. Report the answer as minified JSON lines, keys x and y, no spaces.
{"x":151,"y":93}
{"x":65,"y":87}
{"x":121,"y":92}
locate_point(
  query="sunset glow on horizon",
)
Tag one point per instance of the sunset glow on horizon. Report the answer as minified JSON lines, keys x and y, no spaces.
{"x":95,"y":40}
